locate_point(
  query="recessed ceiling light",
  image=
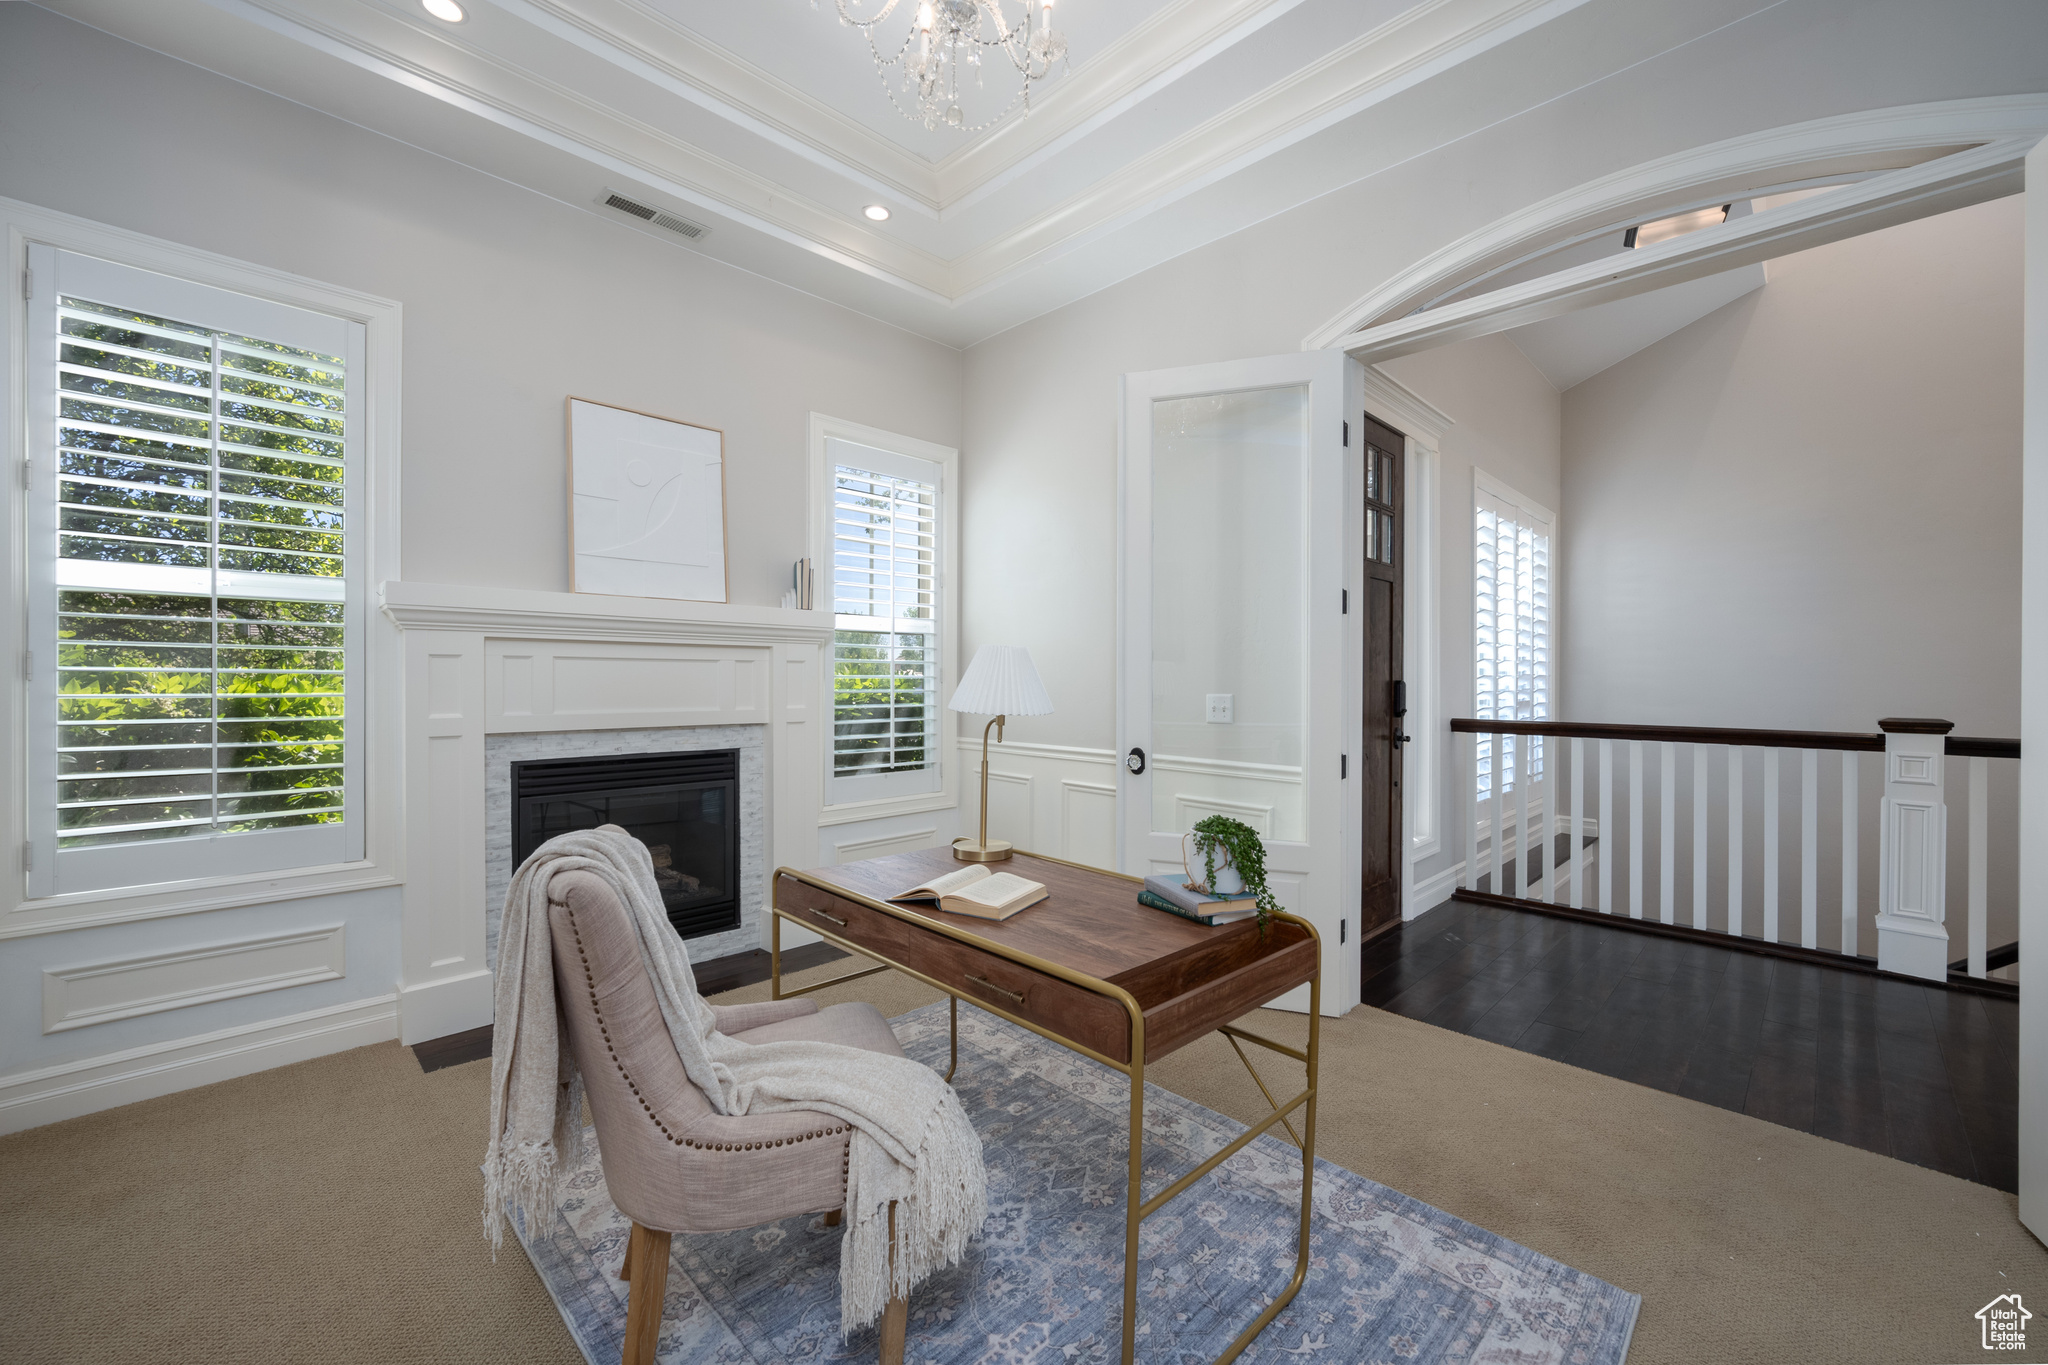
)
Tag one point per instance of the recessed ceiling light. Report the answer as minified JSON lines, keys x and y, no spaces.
{"x":877,"y":213}
{"x":445,"y":10}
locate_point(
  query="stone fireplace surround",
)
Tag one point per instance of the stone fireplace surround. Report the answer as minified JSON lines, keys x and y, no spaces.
{"x":502,"y":751}
{"x":494,"y":674}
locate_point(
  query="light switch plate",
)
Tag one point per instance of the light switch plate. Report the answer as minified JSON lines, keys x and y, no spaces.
{"x":1220,"y":707}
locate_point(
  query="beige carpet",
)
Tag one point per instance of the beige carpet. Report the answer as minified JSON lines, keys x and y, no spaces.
{"x":329,"y":1211}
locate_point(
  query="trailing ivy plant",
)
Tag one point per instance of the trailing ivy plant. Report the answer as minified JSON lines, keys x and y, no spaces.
{"x":1241,"y":842}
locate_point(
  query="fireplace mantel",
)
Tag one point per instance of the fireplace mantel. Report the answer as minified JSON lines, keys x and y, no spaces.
{"x":531,"y":614}
{"x":493,"y":661}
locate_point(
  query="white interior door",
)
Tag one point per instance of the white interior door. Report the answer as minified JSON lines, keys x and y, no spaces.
{"x":1234,"y":690}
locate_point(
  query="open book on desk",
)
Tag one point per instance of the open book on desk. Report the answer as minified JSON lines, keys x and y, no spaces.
{"x":974,"y":890}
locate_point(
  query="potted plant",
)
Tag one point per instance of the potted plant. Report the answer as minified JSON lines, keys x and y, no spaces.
{"x":1233,"y":861}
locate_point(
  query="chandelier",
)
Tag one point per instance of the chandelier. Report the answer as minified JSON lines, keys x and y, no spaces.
{"x":946,"y":35}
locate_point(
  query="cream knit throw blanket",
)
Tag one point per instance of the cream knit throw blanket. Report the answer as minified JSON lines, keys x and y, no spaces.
{"x":911,"y":1142}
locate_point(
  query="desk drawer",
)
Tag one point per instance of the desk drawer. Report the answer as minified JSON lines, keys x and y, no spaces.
{"x":841,"y":918}
{"x":1095,"y":1021}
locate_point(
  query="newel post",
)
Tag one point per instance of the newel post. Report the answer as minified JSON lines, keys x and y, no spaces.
{"x":1912,"y":856}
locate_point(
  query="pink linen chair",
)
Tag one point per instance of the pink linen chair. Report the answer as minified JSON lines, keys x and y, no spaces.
{"x":672,"y":1163}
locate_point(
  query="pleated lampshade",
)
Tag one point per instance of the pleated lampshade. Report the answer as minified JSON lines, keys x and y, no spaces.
{"x":1001,"y":682}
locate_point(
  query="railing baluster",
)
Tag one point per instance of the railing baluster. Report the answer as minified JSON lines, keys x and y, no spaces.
{"x":1607,"y":840}
{"x":1575,"y":838}
{"x":1667,"y":833}
{"x":1699,"y":836}
{"x":1473,"y":803}
{"x":1809,"y":848}
{"x":1851,"y":910}
{"x":1500,"y":818}
{"x":1635,"y":829}
{"x":1523,"y":843}
{"x":1734,"y":840}
{"x":1980,"y":863}
{"x":1547,"y":889}
{"x":1771,"y":845}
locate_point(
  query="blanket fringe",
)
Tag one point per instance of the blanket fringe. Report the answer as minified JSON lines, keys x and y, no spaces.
{"x":936,"y":1218}
{"x":522,"y":1178}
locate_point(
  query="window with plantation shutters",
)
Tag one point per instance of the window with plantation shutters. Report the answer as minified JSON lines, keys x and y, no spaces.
{"x":193,"y":616}
{"x":885,"y":601}
{"x":1511,"y":629}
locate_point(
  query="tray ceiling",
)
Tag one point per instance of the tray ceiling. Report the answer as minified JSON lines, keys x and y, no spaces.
{"x":764,"y":120}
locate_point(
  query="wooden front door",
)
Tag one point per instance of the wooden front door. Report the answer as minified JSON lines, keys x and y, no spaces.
{"x":1385,"y":705}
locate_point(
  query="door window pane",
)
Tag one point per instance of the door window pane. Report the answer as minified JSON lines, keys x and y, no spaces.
{"x":1229,"y":606}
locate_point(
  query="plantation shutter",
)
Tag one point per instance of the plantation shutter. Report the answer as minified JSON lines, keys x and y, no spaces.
{"x":193,"y":615}
{"x":1511,"y":629}
{"x":885,"y":645}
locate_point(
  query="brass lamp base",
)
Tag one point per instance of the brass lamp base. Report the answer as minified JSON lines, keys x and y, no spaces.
{"x":969,"y":851}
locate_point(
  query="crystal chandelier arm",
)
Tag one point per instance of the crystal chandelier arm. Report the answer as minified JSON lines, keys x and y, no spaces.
{"x":846,"y":15}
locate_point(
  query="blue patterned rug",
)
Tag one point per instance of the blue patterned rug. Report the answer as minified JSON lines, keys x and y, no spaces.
{"x":1392,"y":1280}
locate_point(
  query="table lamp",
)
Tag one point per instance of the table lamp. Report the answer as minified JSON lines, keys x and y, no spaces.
{"x":1000,"y":682}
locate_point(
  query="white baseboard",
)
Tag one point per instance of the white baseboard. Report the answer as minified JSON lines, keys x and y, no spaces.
{"x":454,"y":1004}
{"x":1433,"y":891}
{"x":30,"y":1099}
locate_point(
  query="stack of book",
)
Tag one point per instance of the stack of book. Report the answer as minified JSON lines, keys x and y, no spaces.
{"x":1171,"y":894}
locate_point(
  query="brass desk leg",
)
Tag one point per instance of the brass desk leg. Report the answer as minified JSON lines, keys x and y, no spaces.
{"x":1135,"y":1196}
{"x":1135,"y":1211}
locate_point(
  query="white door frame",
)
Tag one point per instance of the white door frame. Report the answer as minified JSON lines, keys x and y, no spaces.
{"x":1326,"y":867}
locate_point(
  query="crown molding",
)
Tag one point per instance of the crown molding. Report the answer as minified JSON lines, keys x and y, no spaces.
{"x":1169,"y":44}
{"x":1374,"y":67}
{"x":639,"y":39}
{"x":550,"y":113}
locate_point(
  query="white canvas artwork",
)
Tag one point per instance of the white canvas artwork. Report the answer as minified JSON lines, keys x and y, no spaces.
{"x":647,"y":514}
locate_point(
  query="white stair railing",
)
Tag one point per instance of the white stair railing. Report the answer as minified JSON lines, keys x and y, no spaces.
{"x":1912,"y":818}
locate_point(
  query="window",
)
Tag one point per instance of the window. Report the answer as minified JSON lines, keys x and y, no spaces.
{"x":1510,"y":629}
{"x":193,"y":615}
{"x":884,"y":502}
{"x":885,"y":676}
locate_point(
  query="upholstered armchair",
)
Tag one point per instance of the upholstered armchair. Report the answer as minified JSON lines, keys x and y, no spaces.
{"x":672,"y":1163}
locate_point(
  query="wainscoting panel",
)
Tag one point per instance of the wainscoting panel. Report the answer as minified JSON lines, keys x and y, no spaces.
{"x":1044,"y":798}
{"x":882,"y":845}
{"x":569,"y":685}
{"x":1088,"y":822}
{"x":99,"y":992}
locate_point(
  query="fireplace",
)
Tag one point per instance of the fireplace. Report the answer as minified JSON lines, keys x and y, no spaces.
{"x":683,"y":806}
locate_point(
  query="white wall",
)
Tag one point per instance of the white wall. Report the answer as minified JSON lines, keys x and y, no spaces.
{"x":511,"y":302}
{"x":1803,"y":512}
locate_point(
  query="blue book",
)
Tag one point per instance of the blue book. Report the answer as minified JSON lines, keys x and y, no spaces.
{"x":1174,"y":888}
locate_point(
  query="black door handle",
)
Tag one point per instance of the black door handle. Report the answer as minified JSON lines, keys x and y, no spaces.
{"x":1135,"y":761}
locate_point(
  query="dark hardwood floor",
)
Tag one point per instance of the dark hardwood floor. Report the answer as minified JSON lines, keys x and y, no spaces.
{"x":1920,"y":1073}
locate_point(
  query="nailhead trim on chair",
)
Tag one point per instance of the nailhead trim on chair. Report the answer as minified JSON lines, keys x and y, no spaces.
{"x":590,"y":985}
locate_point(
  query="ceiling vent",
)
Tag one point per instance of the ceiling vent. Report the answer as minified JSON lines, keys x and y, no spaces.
{"x":661,"y":218}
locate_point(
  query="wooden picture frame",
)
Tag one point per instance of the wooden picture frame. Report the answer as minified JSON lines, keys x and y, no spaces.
{"x":641,"y":523}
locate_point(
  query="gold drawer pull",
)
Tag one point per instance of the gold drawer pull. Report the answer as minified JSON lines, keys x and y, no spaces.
{"x":984,"y":981}
{"x":822,"y":915}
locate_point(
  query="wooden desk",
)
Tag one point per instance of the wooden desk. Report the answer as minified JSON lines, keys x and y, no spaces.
{"x":1090,"y":969}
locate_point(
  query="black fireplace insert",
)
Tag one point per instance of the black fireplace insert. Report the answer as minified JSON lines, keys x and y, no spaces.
{"x":684,"y":807}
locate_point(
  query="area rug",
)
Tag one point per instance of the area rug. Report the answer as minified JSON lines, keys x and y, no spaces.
{"x":1392,"y":1281}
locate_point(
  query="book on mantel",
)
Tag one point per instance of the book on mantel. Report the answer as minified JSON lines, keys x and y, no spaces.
{"x":1171,"y":894}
